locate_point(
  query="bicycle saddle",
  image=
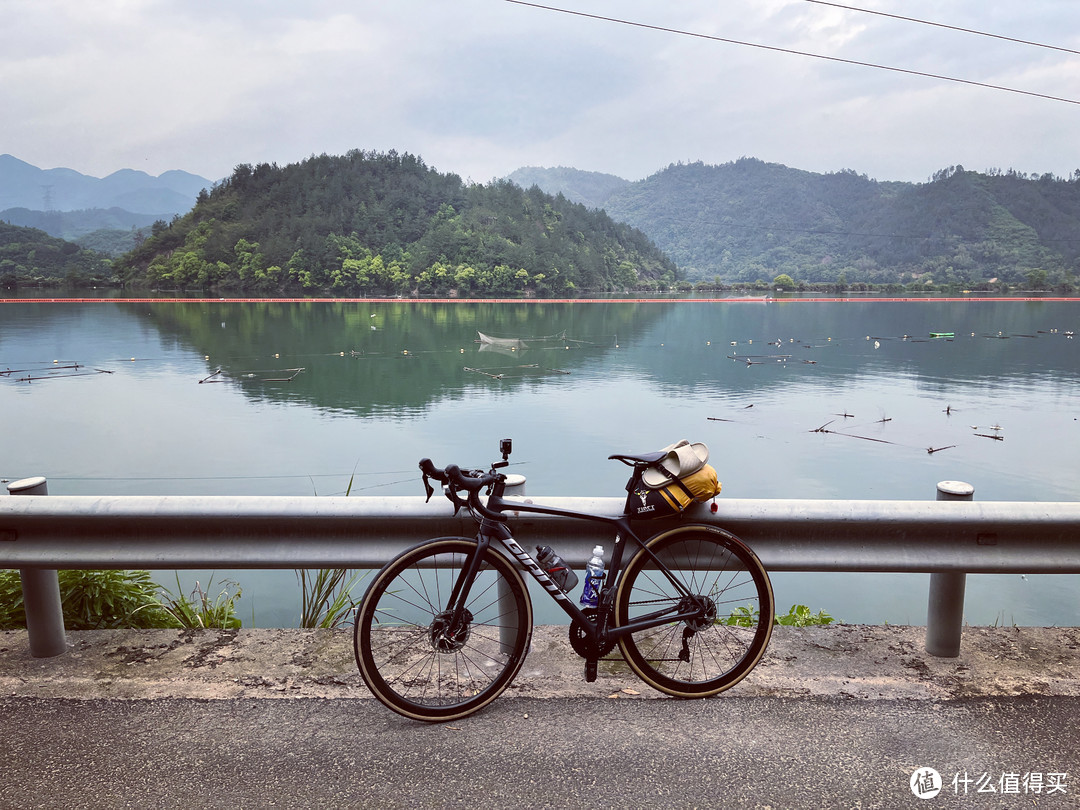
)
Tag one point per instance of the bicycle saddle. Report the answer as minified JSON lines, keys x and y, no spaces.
{"x":633,"y":459}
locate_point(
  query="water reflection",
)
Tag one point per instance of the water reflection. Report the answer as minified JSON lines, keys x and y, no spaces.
{"x":393,"y":357}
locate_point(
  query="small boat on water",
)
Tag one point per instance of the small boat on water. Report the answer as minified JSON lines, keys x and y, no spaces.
{"x":942,"y":334}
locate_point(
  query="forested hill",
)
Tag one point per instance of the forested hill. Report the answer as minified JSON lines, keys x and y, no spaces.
{"x":31,"y":256}
{"x":373,"y":223}
{"x":750,"y":220}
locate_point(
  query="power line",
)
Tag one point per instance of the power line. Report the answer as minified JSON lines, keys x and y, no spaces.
{"x":776,"y":49}
{"x":943,"y":25}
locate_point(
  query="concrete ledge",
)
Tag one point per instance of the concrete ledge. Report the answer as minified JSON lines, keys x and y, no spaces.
{"x":868,"y":662}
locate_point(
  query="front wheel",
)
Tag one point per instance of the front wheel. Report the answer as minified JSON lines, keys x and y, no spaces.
{"x":415,"y":658}
{"x":726,"y":602}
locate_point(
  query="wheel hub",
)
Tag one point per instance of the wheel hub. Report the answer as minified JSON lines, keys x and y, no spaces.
{"x":446,"y":638}
{"x":706,"y":612}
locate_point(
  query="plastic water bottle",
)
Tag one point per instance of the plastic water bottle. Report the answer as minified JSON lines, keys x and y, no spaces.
{"x":594,"y":578}
{"x":561,"y":573}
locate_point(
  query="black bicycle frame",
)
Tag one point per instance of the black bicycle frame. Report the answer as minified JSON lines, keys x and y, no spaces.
{"x":491,"y":530}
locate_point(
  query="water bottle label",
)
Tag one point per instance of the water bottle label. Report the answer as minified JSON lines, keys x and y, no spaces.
{"x":590,"y":595}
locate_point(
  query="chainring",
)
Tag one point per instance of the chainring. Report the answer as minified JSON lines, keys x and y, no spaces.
{"x":579,"y":639}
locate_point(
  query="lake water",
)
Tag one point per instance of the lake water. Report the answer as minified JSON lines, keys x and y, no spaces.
{"x":385,"y":383}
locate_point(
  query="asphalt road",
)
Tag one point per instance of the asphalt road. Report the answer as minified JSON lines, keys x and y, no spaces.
{"x":728,"y":752}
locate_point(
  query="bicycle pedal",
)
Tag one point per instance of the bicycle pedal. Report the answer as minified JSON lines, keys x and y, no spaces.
{"x":590,"y":671}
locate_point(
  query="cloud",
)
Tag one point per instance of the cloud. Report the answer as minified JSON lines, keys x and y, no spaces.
{"x":481,"y":87}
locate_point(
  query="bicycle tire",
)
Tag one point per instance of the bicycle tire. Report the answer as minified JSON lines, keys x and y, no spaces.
{"x":706,"y":655}
{"x":406,"y":656}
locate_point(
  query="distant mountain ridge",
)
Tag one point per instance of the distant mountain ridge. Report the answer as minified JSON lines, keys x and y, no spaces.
{"x":71,"y":225}
{"x":746,"y":221}
{"x":749,"y":220}
{"x":23,"y":185}
{"x":591,"y":189}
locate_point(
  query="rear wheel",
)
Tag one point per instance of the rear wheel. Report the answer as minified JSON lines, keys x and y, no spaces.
{"x":411,"y":654}
{"x":729,"y":595}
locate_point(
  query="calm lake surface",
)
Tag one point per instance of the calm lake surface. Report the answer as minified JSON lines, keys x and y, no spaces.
{"x":385,"y":383}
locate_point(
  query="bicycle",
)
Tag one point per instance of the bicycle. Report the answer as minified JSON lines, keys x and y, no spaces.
{"x":444,"y":627}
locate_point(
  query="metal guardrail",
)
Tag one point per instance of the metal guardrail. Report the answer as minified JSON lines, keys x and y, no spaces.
{"x":946,"y":539}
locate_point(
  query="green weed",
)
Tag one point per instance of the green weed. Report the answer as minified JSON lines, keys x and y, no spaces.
{"x":800,"y":616}
{"x":326,"y":596}
{"x":797,"y":616}
{"x":91,"y":600}
{"x":201,"y":610}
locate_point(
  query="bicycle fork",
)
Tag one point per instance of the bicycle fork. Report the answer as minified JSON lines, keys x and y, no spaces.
{"x":457,"y":614}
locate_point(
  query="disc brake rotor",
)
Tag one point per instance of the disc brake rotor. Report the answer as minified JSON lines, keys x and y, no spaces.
{"x":446,"y":639}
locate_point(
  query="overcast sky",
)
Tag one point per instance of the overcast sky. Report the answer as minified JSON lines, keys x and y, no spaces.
{"x":482,"y":87}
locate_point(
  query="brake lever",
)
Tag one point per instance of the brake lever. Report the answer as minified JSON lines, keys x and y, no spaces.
{"x":454,"y":499}
{"x":428,"y":488}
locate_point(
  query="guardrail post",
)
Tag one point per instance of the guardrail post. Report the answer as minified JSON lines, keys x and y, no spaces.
{"x":41,"y":591}
{"x":945,"y":614}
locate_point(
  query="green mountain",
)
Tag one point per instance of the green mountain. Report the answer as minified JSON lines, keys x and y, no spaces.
{"x":371,"y":223}
{"x":750,"y":220}
{"x":31,"y":256}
